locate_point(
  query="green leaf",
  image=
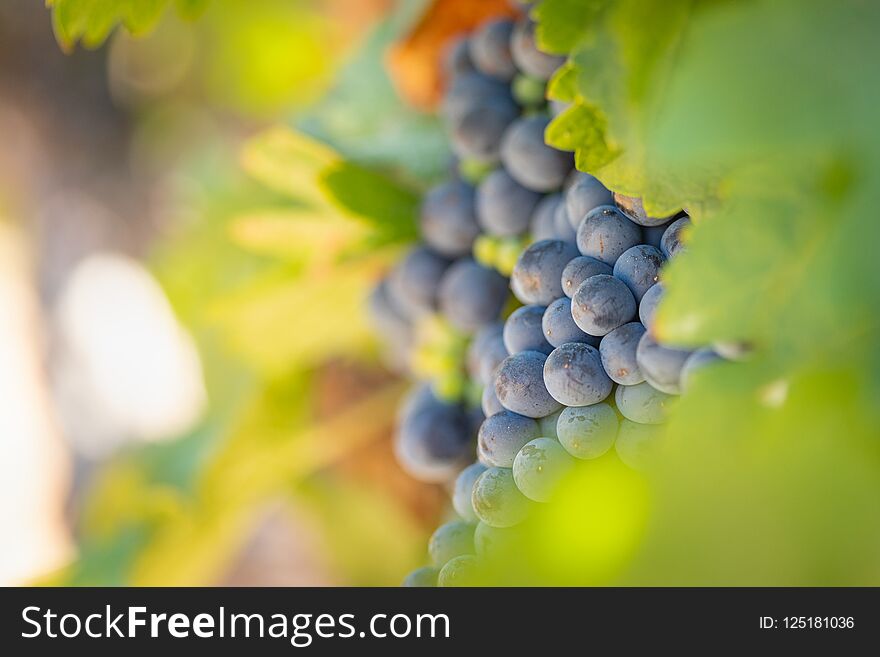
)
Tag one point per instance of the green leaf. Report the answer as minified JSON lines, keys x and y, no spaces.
{"x":580,"y":128}
{"x":563,"y":24}
{"x":92,"y":21}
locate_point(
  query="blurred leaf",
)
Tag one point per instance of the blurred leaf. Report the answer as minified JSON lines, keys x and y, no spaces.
{"x":92,"y":21}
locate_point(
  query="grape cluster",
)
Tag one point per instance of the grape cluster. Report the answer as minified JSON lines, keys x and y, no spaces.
{"x":573,"y":372}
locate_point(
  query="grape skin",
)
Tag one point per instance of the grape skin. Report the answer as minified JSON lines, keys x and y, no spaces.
{"x":523,"y":331}
{"x":574,"y":375}
{"x":478,"y":134}
{"x":559,"y":327}
{"x":448,"y":218}
{"x":471,"y":295}
{"x":496,"y":499}
{"x":526,"y":55}
{"x":562,"y":226}
{"x":530,"y":161}
{"x":587,"y":432}
{"x":547,"y":425}
{"x":635,"y":442}
{"x":642,"y":403}
{"x":652,"y":235}
{"x":463,"y":490}
{"x":580,"y":269}
{"x":458,"y":58}
{"x":415,"y":280}
{"x":459,"y":571}
{"x":469,"y":91}
{"x":605,"y":233}
{"x":537,"y":275}
{"x":480,"y":346}
{"x":538,"y":468}
{"x":433,"y":440}
{"x":639,"y":268}
{"x":520,"y":387}
{"x":492,"y":358}
{"x":425,"y":577}
{"x":451,"y":540}
{"x":489,"y":403}
{"x":633,"y":208}
{"x":490,"y":49}
{"x":601,"y":304}
{"x":671,"y":243}
{"x":661,"y":365}
{"x":542,"y":225}
{"x":502,"y":435}
{"x":504,"y":207}
{"x":618,"y":352}
{"x":583,"y":194}
{"x":648,"y":305}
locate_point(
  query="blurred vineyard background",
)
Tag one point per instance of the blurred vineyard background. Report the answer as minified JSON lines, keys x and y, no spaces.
{"x":192,"y":216}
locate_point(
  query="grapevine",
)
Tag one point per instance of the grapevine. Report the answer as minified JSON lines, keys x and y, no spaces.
{"x":566,"y":369}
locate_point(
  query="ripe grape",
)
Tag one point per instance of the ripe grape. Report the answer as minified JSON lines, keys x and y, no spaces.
{"x":451,"y":540}
{"x":542,"y":225}
{"x":605,"y":233}
{"x":661,"y":365}
{"x":601,"y":304}
{"x":547,"y":425}
{"x":618,"y":352}
{"x":583,"y":194}
{"x":587,"y":432}
{"x":489,"y":403}
{"x":414,"y":281}
{"x":648,"y":305}
{"x":574,"y":375}
{"x":639,"y":268}
{"x":526,"y":55}
{"x":479,"y":347}
{"x":580,"y":269}
{"x":463,"y":490}
{"x":642,"y":403}
{"x":471,"y":295}
{"x":502,"y":435}
{"x":478,"y":134}
{"x":520,"y":387}
{"x":671,"y":243}
{"x":538,"y":468}
{"x":469,"y":91}
{"x":530,"y":161}
{"x":448,"y":218}
{"x":537,"y":275}
{"x":652,"y":235}
{"x":496,"y":499}
{"x":458,"y":58}
{"x":559,"y":327}
{"x":490,"y":49}
{"x":433,"y":440}
{"x":523,"y":331}
{"x":504,"y":207}
{"x":562,"y":225}
{"x":459,"y":571}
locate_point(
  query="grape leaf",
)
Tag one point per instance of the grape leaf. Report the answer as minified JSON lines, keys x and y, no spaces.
{"x":91,"y":21}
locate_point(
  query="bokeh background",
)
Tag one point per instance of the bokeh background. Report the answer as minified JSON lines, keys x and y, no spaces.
{"x":189,"y":393}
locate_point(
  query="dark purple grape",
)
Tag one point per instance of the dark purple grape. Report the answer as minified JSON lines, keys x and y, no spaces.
{"x":601,"y":304}
{"x":661,"y":365}
{"x":529,"y":160}
{"x":526,"y":55}
{"x":633,"y":208}
{"x":671,"y":242}
{"x":605,"y":233}
{"x":504,"y":207}
{"x":559,"y":327}
{"x":574,"y":375}
{"x":520,"y":387}
{"x":414,"y":282}
{"x":583,"y":193}
{"x":580,"y":269}
{"x":523,"y":331}
{"x":490,"y":49}
{"x":639,"y":268}
{"x":471,"y":295}
{"x":502,"y":435}
{"x":618,"y":352}
{"x":449,"y":220}
{"x":537,"y":276}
